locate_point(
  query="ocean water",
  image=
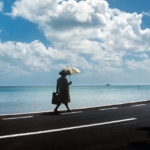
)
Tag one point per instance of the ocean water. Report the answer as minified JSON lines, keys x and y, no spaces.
{"x":37,"y":99}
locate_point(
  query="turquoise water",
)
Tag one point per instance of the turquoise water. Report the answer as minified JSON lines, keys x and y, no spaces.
{"x":35,"y":99}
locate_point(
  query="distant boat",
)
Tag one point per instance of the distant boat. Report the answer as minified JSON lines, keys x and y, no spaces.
{"x":107,"y":84}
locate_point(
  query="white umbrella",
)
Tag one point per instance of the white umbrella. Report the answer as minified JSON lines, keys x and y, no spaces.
{"x":69,"y":71}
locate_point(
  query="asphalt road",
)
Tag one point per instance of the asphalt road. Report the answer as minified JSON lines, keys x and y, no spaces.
{"x":121,"y":127}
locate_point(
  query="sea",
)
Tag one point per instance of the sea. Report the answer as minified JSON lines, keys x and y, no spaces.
{"x":23,"y":99}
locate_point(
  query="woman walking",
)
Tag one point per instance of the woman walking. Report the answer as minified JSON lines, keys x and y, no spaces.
{"x":62,"y":89}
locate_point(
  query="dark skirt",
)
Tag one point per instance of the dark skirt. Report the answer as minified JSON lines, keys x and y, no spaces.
{"x":64,"y":97}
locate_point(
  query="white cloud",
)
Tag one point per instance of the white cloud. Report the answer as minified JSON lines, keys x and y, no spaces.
{"x":146,"y":13}
{"x":86,"y":33}
{"x":108,"y":58}
{"x":34,"y":11}
{"x":26,"y":57}
{"x":1,"y":6}
{"x":35,"y":57}
{"x":139,"y":65}
{"x":67,"y":12}
{"x":143,"y":55}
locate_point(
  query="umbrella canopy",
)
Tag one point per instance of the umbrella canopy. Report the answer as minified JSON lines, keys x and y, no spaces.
{"x":69,"y":71}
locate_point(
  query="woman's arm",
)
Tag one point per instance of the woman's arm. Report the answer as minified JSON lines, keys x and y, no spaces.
{"x":57,"y":88}
{"x":69,"y":83}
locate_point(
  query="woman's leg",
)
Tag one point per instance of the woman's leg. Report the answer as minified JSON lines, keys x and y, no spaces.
{"x":57,"y":107}
{"x":67,"y":107}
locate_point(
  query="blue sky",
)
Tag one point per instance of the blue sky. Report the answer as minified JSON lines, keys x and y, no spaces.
{"x":107,"y":40}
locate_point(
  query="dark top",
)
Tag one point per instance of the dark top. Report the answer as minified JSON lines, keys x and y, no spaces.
{"x":63,"y":90}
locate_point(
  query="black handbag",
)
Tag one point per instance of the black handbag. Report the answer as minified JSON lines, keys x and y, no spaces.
{"x":55,"y":98}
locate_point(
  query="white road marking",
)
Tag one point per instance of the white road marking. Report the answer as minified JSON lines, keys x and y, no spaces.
{"x":138,"y":105}
{"x":109,"y":108}
{"x":68,"y":128}
{"x":17,"y":118}
{"x":71,"y":112}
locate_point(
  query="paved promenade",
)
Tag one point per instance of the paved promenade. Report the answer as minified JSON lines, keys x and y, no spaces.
{"x":121,"y":127}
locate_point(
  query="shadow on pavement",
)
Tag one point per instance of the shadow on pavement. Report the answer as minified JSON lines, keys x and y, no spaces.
{"x":55,"y":113}
{"x":51,"y":113}
{"x":147,"y":129}
{"x":142,"y":145}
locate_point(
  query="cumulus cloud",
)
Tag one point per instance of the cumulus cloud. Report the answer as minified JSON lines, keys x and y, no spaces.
{"x":26,"y":57}
{"x":85,"y":32}
{"x":82,"y":20}
{"x":32,"y":57}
